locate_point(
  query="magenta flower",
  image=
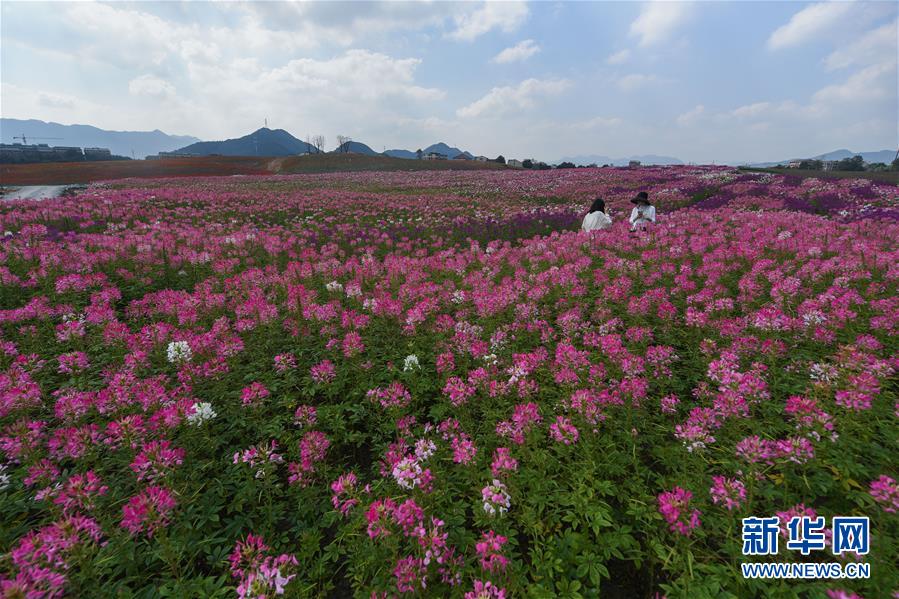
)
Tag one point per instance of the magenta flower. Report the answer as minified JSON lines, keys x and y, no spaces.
{"x":254,"y":394}
{"x":495,"y":498}
{"x":155,"y":460}
{"x":80,"y":493}
{"x":563,"y":431}
{"x":258,"y":574}
{"x":489,"y":550}
{"x":323,"y":372}
{"x":503,"y":462}
{"x":411,"y":574}
{"x":885,"y":491}
{"x":729,"y":491}
{"x":345,"y":493}
{"x":674,"y":507}
{"x":149,"y":511}
{"x":486,"y":590}
{"x":41,"y":557}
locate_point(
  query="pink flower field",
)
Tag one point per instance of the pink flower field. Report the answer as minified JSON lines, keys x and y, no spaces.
{"x":433,"y":384}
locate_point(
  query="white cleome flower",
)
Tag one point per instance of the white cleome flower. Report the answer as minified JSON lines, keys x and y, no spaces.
{"x":202,"y":412}
{"x":410,"y":363}
{"x":4,"y":477}
{"x":334,"y":286}
{"x":178,"y":352}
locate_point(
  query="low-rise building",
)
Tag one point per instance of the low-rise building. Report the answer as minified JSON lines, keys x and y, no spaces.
{"x":94,"y":153}
{"x":514,"y":163}
{"x":434,"y":156}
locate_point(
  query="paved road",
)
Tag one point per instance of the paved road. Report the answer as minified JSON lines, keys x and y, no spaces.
{"x":35,"y":192}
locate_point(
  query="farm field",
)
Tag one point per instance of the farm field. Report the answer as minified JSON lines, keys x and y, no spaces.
{"x":60,"y":173}
{"x":882,"y":176}
{"x":432,"y":384}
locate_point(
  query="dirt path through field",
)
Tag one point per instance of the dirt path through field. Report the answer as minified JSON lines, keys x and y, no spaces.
{"x":35,"y":192}
{"x":275,"y":165}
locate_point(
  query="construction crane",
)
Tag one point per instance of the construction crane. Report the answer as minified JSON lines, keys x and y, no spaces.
{"x":25,"y":140}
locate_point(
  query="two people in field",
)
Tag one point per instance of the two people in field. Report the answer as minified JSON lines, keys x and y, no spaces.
{"x":642,"y":215}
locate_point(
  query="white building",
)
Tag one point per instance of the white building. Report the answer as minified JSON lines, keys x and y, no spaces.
{"x":513,"y":163}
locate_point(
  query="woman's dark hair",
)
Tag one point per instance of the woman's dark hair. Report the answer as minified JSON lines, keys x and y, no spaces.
{"x":598,"y":205}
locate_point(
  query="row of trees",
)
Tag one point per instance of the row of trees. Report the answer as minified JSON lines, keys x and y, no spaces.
{"x":318,"y":142}
{"x":855,"y":163}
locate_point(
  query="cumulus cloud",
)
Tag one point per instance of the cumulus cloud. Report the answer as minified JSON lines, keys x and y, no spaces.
{"x":520,"y":51}
{"x":874,"y":46}
{"x":500,"y":100}
{"x":505,"y":16}
{"x":809,"y":22}
{"x":357,"y":74}
{"x":150,"y":85}
{"x":751,"y":110}
{"x":599,"y":122}
{"x":634,"y":81}
{"x":619,"y":57}
{"x":691,"y":116}
{"x":658,"y":21}
{"x":876,"y":82}
{"x":49,"y":100}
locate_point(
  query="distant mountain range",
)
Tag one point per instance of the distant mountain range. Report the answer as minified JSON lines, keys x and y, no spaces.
{"x":277,"y":142}
{"x":123,"y":143}
{"x":356,"y":147}
{"x":440,"y":148}
{"x":405,"y":154}
{"x":645,"y":159}
{"x":262,"y":142}
{"x":885,"y":156}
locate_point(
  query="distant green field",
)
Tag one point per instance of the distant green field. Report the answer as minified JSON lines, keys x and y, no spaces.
{"x":885,"y":177}
{"x":332,"y":163}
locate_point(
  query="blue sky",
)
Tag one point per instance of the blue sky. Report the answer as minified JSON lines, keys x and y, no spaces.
{"x":703,"y":81}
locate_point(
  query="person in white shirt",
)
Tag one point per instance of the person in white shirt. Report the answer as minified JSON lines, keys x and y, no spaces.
{"x":596,"y":218}
{"x":643,"y":212}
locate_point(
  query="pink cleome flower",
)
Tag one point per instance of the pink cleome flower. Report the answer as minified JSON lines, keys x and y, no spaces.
{"x":150,"y":510}
{"x":674,"y":507}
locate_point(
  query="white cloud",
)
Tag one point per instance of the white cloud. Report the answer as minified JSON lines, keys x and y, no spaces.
{"x":634,"y":81}
{"x":149,"y":85}
{"x":659,"y":20}
{"x":510,"y":98}
{"x":808,"y":23}
{"x":330,"y":22}
{"x":599,"y":122}
{"x":751,"y":110}
{"x":520,"y":51}
{"x":874,"y":46}
{"x":619,"y":57}
{"x":691,"y":116}
{"x":49,"y":100}
{"x":357,"y":74}
{"x":505,"y":16}
{"x":876,"y":82}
